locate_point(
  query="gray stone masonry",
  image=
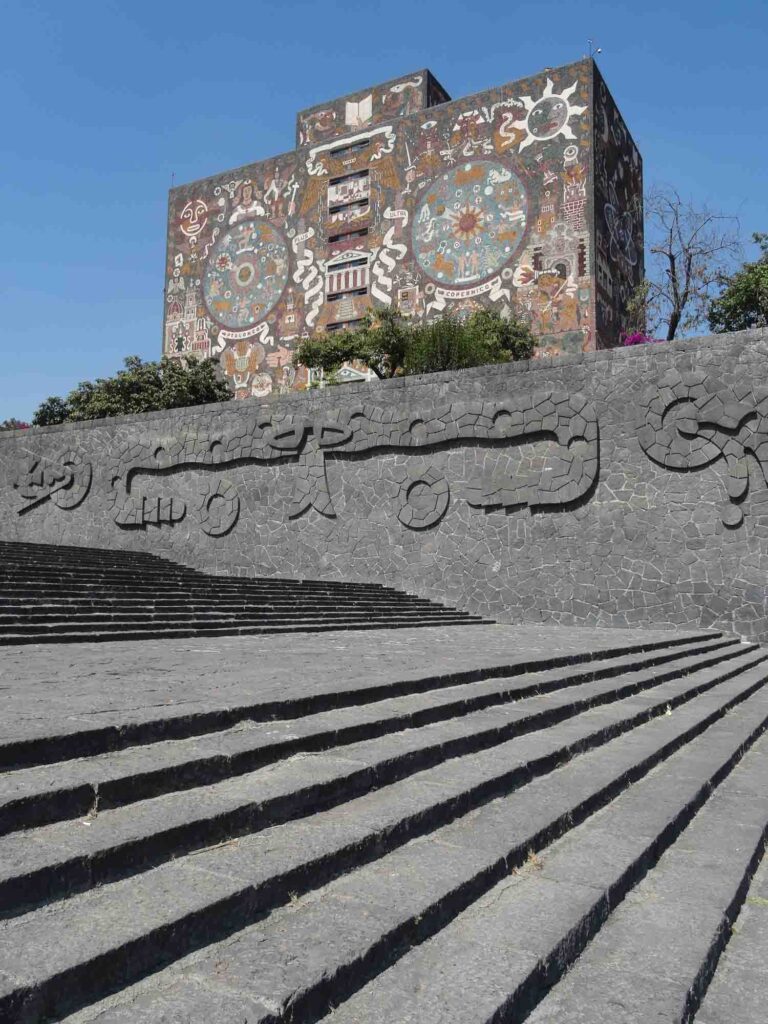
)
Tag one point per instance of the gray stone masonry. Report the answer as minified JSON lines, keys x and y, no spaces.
{"x":617,"y":488}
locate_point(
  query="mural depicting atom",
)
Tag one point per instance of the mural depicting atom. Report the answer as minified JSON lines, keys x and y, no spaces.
{"x":470,"y":223}
{"x":246,"y":273}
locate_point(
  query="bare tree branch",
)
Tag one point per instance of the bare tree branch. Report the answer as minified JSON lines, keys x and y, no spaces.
{"x":691,"y":248}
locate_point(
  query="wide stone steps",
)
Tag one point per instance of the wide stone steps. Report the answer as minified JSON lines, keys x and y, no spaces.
{"x":70,"y":595}
{"x":429,"y":849}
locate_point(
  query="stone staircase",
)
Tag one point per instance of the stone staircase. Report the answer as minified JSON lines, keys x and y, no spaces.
{"x":56,"y":594}
{"x":563,"y":839}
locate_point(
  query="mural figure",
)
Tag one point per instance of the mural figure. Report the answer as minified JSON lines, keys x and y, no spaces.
{"x":566,"y":477}
{"x":691,"y":421}
{"x":65,"y":481}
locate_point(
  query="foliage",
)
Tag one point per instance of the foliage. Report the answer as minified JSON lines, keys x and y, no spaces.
{"x":743,"y":302}
{"x":393,"y":345}
{"x":638,"y":338}
{"x":140,"y":387}
{"x":690,"y":249}
{"x":379,"y":342}
{"x":13,"y":424}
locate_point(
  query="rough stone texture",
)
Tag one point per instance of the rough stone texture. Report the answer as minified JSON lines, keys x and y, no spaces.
{"x":614,"y":488}
{"x":454,"y":869}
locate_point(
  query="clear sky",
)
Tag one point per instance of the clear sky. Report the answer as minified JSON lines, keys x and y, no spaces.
{"x":103,"y":101}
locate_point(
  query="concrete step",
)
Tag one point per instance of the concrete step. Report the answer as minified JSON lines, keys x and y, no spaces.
{"x":739,"y":989}
{"x":665,"y":938}
{"x":29,"y":610}
{"x":71,"y":596}
{"x":529,"y":935}
{"x":73,"y":738}
{"x":101,"y":635}
{"x":55,"y":622}
{"x":294,"y":922}
{"x":67,"y":857}
{"x":41,"y":795}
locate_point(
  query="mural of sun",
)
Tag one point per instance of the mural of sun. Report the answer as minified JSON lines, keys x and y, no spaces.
{"x":548,"y":116}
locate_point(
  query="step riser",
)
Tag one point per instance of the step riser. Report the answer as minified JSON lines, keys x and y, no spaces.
{"x":87,"y":743}
{"x":81,"y":873}
{"x":65,"y":804}
{"x":100,"y":636}
{"x":149,"y":623}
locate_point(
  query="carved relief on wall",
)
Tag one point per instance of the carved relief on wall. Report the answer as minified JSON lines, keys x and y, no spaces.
{"x":564,"y":477}
{"x":65,"y":481}
{"x":692,"y":421}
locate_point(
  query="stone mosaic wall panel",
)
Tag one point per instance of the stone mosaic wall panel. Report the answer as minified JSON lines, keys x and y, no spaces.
{"x":399,"y":196}
{"x":624,"y":487}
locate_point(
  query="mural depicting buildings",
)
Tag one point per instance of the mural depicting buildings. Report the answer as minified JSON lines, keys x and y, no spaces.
{"x":526,"y":199}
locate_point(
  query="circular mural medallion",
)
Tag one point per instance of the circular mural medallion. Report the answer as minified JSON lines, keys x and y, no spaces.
{"x":547,"y":117}
{"x":246,"y":273}
{"x":470,"y":223}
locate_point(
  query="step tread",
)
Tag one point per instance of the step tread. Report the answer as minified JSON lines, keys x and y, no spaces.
{"x":137,"y":765}
{"x":420,"y":889}
{"x":293,"y":782}
{"x":529,"y":928}
{"x":659,"y":947}
{"x":739,"y":989}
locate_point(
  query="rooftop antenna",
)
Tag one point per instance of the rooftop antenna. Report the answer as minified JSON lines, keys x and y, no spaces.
{"x":173,"y":178}
{"x":593,"y":51}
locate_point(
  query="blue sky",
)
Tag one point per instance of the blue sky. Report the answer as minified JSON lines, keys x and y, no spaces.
{"x":104,"y":100}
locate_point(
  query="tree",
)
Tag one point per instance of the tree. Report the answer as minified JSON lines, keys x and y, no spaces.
{"x":140,"y":387}
{"x":392,"y":345}
{"x":13,"y":424}
{"x":380,"y":342}
{"x":743,"y":302}
{"x":691,"y":248}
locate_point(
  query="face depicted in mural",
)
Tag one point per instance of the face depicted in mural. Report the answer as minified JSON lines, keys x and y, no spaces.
{"x":246,"y":274}
{"x":548,"y":116}
{"x":194,"y":217}
{"x":471,"y":222}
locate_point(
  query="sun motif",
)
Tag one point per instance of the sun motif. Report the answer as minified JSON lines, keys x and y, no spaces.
{"x":466,"y":223}
{"x":548,"y":116}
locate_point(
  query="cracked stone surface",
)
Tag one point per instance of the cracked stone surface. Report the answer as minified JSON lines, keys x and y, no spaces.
{"x":617,"y":488}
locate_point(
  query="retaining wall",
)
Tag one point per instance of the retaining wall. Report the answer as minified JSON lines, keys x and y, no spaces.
{"x":611,"y":488}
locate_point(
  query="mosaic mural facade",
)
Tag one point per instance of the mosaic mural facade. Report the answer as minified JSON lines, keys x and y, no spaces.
{"x":526,"y":198}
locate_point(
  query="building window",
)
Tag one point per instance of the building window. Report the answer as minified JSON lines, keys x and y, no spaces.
{"x":335,"y":296}
{"x":344,"y":325}
{"x":349,"y":190}
{"x":351,"y":147}
{"x":347,"y":236}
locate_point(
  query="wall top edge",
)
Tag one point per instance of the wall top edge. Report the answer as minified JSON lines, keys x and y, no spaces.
{"x":334,"y":395}
{"x":418,"y":114}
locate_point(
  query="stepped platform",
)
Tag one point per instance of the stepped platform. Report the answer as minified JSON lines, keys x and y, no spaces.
{"x":444,"y":825}
{"x":58,"y":594}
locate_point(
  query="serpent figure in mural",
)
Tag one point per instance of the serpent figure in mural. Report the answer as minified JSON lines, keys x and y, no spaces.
{"x":691,"y":420}
{"x":307,"y":442}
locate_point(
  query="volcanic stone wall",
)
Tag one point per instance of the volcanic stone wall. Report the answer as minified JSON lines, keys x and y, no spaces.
{"x":611,"y":488}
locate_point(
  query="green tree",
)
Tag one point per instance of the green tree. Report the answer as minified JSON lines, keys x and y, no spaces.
{"x":380,"y":342}
{"x":140,"y":387}
{"x":393,"y":345}
{"x":743,"y":302}
{"x":13,"y":424}
{"x":52,"y":410}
